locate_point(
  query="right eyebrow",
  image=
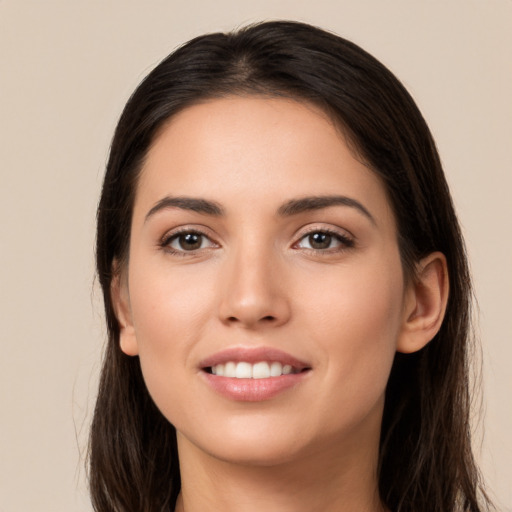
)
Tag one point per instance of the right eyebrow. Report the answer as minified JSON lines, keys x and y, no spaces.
{"x":203,"y":206}
{"x":304,"y":204}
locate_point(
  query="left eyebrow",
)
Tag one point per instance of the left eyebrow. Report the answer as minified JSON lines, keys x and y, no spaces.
{"x":304,"y":204}
{"x":203,"y":206}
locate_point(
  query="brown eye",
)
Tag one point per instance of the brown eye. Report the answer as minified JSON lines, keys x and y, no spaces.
{"x":320,"y":240}
{"x":188,"y":241}
{"x":325,"y":241}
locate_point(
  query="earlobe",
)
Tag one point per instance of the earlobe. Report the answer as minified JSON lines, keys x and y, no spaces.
{"x":425,"y":304}
{"x":121,"y":303}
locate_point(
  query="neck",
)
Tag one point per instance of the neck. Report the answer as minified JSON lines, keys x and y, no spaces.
{"x":329,"y":480}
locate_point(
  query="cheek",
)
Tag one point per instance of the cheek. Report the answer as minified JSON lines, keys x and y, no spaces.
{"x":356,"y":321}
{"x":360,"y":298}
{"x":168,"y":307}
{"x":169,"y":315}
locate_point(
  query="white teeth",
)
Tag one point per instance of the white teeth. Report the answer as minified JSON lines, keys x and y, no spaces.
{"x":287,"y":369}
{"x":276,"y":369}
{"x":230,"y":369}
{"x":244,"y":370}
{"x":261,"y":371}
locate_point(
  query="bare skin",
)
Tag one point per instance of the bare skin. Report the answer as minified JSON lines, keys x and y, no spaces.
{"x":323,"y":284}
{"x":313,"y":483}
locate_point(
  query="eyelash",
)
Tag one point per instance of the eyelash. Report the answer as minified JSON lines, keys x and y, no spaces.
{"x":345,"y":241}
{"x":169,"y":238}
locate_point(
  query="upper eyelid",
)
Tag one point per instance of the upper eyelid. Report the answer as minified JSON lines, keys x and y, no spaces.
{"x":333,"y":230}
{"x":165,"y":243}
{"x":345,"y":238}
{"x":168,"y":235}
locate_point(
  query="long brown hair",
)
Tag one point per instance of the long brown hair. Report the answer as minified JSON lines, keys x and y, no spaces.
{"x":425,"y":460}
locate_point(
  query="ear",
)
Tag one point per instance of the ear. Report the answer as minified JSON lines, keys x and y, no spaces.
{"x":121,"y":302}
{"x":425,"y":303}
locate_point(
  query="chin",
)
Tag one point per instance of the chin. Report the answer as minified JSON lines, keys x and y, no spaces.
{"x":247,"y":443}
{"x":261,"y":452}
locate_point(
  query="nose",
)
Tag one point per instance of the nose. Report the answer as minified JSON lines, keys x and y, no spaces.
{"x":254,"y":292}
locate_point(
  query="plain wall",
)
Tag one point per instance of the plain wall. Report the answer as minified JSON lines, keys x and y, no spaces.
{"x":67,"y":68}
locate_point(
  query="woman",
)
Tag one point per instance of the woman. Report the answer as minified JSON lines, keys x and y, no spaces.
{"x":286,"y":289}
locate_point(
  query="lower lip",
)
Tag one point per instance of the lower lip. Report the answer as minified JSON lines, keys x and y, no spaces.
{"x":253,"y":390}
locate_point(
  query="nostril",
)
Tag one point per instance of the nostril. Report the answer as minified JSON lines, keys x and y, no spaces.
{"x":267,"y":318}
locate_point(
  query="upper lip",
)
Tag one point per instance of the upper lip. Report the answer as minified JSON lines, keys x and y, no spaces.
{"x":253,"y":355}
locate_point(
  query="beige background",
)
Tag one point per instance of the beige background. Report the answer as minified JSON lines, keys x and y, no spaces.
{"x":66,"y":69}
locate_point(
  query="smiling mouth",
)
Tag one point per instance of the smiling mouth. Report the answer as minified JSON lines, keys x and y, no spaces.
{"x":253,"y":374}
{"x":259,"y":370}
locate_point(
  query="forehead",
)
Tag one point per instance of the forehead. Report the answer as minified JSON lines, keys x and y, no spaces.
{"x":261,"y":150}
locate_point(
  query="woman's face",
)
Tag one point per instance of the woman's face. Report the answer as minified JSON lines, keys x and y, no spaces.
{"x":258,"y":243}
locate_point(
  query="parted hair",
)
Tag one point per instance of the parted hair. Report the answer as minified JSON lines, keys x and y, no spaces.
{"x":425,"y":458}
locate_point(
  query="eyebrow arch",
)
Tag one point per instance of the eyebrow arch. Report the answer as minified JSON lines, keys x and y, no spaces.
{"x":296,"y":206}
{"x":203,"y":206}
